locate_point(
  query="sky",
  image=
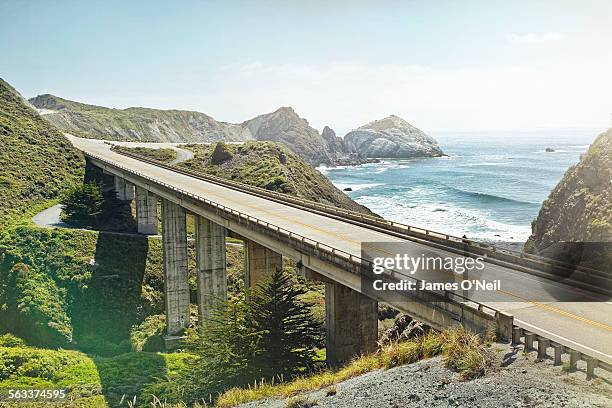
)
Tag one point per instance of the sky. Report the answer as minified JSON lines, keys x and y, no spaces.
{"x":441,"y":65}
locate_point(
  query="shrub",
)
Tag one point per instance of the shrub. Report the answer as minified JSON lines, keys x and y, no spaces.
{"x":10,"y":340}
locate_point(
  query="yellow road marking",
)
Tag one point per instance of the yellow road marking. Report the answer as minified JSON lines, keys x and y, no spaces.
{"x":560,"y":311}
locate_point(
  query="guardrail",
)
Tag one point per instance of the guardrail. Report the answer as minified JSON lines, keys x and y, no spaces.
{"x":586,"y":278}
{"x":531,"y":334}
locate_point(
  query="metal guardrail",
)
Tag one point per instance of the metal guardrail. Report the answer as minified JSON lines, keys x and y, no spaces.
{"x":510,"y":258}
{"x":314,"y":245}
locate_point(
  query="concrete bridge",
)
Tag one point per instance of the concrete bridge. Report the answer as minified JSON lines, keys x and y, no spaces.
{"x":326,"y":244}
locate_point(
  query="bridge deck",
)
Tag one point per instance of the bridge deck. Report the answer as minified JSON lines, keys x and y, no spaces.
{"x":586,"y":325}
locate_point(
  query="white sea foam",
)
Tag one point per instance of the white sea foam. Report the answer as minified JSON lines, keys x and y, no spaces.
{"x":445,"y":218}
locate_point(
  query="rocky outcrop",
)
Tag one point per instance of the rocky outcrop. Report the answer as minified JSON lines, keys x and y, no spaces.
{"x":333,"y":144}
{"x":285,"y":126}
{"x":579,"y":209}
{"x":391,"y":137}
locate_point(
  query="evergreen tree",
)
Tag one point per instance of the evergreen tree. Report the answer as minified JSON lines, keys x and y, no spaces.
{"x":226,"y":346}
{"x":83,"y":205}
{"x":288,"y":332}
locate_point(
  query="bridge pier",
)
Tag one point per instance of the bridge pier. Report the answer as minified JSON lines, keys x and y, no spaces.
{"x":176,"y":272}
{"x":211,"y":265}
{"x":146,"y":212}
{"x":259,"y":262}
{"x":352,"y":323}
{"x":129,"y":191}
{"x":120,"y":188}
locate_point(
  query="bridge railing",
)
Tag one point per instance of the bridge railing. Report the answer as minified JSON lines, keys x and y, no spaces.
{"x":599,"y":281}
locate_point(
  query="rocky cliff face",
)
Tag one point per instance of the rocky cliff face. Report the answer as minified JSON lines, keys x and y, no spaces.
{"x":579,"y":209}
{"x":333,"y":144}
{"x":391,"y":137}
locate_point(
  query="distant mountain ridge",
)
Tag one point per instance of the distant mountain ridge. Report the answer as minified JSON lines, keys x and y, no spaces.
{"x":376,"y":139}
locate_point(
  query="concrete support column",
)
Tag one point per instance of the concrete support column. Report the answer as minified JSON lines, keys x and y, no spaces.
{"x":352,"y":323}
{"x":146,"y":212}
{"x":176,"y":273}
{"x":259,"y":262}
{"x":120,"y":188}
{"x":129,"y":191}
{"x":211,"y":265}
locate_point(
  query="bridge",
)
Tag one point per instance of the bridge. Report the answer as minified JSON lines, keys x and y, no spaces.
{"x":326,"y":244}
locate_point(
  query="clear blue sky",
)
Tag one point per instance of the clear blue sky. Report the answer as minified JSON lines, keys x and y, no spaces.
{"x":451,"y":65}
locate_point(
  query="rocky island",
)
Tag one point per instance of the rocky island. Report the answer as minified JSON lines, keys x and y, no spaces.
{"x":391,"y":137}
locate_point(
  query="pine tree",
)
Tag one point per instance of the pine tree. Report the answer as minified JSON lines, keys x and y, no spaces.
{"x":289,"y":333}
{"x":83,"y":205}
{"x":226,"y":346}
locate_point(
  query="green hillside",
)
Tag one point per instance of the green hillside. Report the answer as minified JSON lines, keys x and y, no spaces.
{"x":37,"y":162}
{"x":267,"y":165}
{"x":134,"y":124}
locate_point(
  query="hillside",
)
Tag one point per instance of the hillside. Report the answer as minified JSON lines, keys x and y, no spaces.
{"x":267,"y":165}
{"x":579,"y":209}
{"x":37,"y":162}
{"x":154,"y":125}
{"x":135,"y":124}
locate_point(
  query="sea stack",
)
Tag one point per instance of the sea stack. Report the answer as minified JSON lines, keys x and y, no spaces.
{"x":391,"y":137}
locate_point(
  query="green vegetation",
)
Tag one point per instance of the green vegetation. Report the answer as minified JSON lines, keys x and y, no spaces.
{"x":270,"y":335}
{"x":67,"y":287}
{"x":267,"y":165}
{"x":87,"y":205}
{"x":38,"y":163}
{"x":132,"y":124}
{"x":83,"y":205}
{"x":90,"y":381}
{"x":165,"y":155}
{"x":461,"y":350}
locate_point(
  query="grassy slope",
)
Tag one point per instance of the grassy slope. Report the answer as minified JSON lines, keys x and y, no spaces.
{"x":267,"y":165}
{"x":89,"y":381}
{"x":37,"y":162}
{"x":132,"y":124}
{"x":462,"y":351}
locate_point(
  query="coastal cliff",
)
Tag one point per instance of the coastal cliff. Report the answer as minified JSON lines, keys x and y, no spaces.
{"x":579,"y":209}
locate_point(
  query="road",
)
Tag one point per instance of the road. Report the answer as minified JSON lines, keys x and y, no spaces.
{"x":544,"y":305}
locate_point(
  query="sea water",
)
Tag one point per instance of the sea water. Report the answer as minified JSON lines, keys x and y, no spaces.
{"x":490,"y":187}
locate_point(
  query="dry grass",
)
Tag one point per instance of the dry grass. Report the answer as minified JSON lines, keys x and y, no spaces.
{"x":463,"y":352}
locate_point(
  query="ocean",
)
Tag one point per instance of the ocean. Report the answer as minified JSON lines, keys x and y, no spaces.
{"x":490,"y":186}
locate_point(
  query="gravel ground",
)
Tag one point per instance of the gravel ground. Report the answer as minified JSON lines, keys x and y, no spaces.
{"x":516,"y":380}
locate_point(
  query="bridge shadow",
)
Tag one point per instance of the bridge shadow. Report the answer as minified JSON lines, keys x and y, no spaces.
{"x":105,"y":312}
{"x":111,"y":302}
